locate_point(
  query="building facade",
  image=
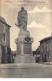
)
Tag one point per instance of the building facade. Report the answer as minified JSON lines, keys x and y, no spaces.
{"x":5,"y":51}
{"x":46,"y":49}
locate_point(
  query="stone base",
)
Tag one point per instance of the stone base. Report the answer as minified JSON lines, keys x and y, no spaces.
{"x":27,"y":58}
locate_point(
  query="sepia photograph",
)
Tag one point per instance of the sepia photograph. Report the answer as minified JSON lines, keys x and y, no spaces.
{"x":25,"y":38}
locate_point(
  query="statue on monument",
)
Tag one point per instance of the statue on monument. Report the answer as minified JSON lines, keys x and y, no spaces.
{"x":22,"y":19}
{"x":24,"y":40}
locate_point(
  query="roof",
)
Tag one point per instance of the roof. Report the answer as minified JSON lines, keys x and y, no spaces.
{"x":45,"y":39}
{"x":2,"y":20}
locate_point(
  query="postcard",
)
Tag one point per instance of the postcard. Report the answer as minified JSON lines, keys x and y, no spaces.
{"x":25,"y":38}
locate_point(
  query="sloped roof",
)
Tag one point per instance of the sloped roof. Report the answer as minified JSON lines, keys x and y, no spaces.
{"x":45,"y":39}
{"x":2,"y":20}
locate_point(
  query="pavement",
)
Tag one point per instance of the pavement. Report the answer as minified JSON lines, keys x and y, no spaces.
{"x":26,"y":70}
{"x":46,"y":63}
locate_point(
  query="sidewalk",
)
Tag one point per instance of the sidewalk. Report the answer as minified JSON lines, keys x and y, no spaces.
{"x":47,"y":63}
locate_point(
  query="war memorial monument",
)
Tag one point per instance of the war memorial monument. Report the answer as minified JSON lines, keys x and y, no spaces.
{"x":24,"y":65}
{"x":24,"y":40}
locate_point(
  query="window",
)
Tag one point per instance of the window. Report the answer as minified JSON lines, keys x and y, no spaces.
{"x":41,"y":48}
{"x":4,"y":37}
{"x":48,"y":54}
{"x":50,"y":46}
{"x":47,"y":47}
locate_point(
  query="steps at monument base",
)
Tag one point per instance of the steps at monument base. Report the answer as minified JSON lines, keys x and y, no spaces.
{"x":27,"y":58}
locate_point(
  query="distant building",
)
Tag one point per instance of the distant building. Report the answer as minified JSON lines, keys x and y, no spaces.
{"x":5,"y":51}
{"x":13,"y":53}
{"x":36,"y":54}
{"x":46,"y":49}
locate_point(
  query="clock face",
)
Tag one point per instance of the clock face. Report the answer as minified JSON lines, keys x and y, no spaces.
{"x":27,"y":39}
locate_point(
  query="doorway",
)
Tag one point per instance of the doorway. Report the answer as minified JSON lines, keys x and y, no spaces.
{"x":45,"y":60}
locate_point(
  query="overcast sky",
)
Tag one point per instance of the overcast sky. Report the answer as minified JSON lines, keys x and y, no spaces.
{"x":39,"y":18}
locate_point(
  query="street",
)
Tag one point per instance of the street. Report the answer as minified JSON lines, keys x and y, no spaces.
{"x":26,"y":70}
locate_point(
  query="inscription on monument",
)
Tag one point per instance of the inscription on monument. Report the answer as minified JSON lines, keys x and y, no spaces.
{"x":27,"y":48}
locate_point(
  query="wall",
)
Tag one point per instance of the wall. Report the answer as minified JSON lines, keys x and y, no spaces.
{"x":46,"y":50}
{"x":4,"y":41}
{"x":0,"y":53}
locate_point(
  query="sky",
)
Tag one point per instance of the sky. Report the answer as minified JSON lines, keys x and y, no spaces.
{"x":39,"y":18}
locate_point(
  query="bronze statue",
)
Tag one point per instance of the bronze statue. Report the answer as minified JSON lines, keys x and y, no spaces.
{"x":22,"y":19}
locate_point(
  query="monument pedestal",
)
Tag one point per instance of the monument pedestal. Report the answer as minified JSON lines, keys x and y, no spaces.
{"x":24,"y":59}
{"x":24,"y":48}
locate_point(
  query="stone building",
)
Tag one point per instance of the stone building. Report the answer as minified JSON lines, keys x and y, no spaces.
{"x":5,"y":51}
{"x":46,"y":49}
